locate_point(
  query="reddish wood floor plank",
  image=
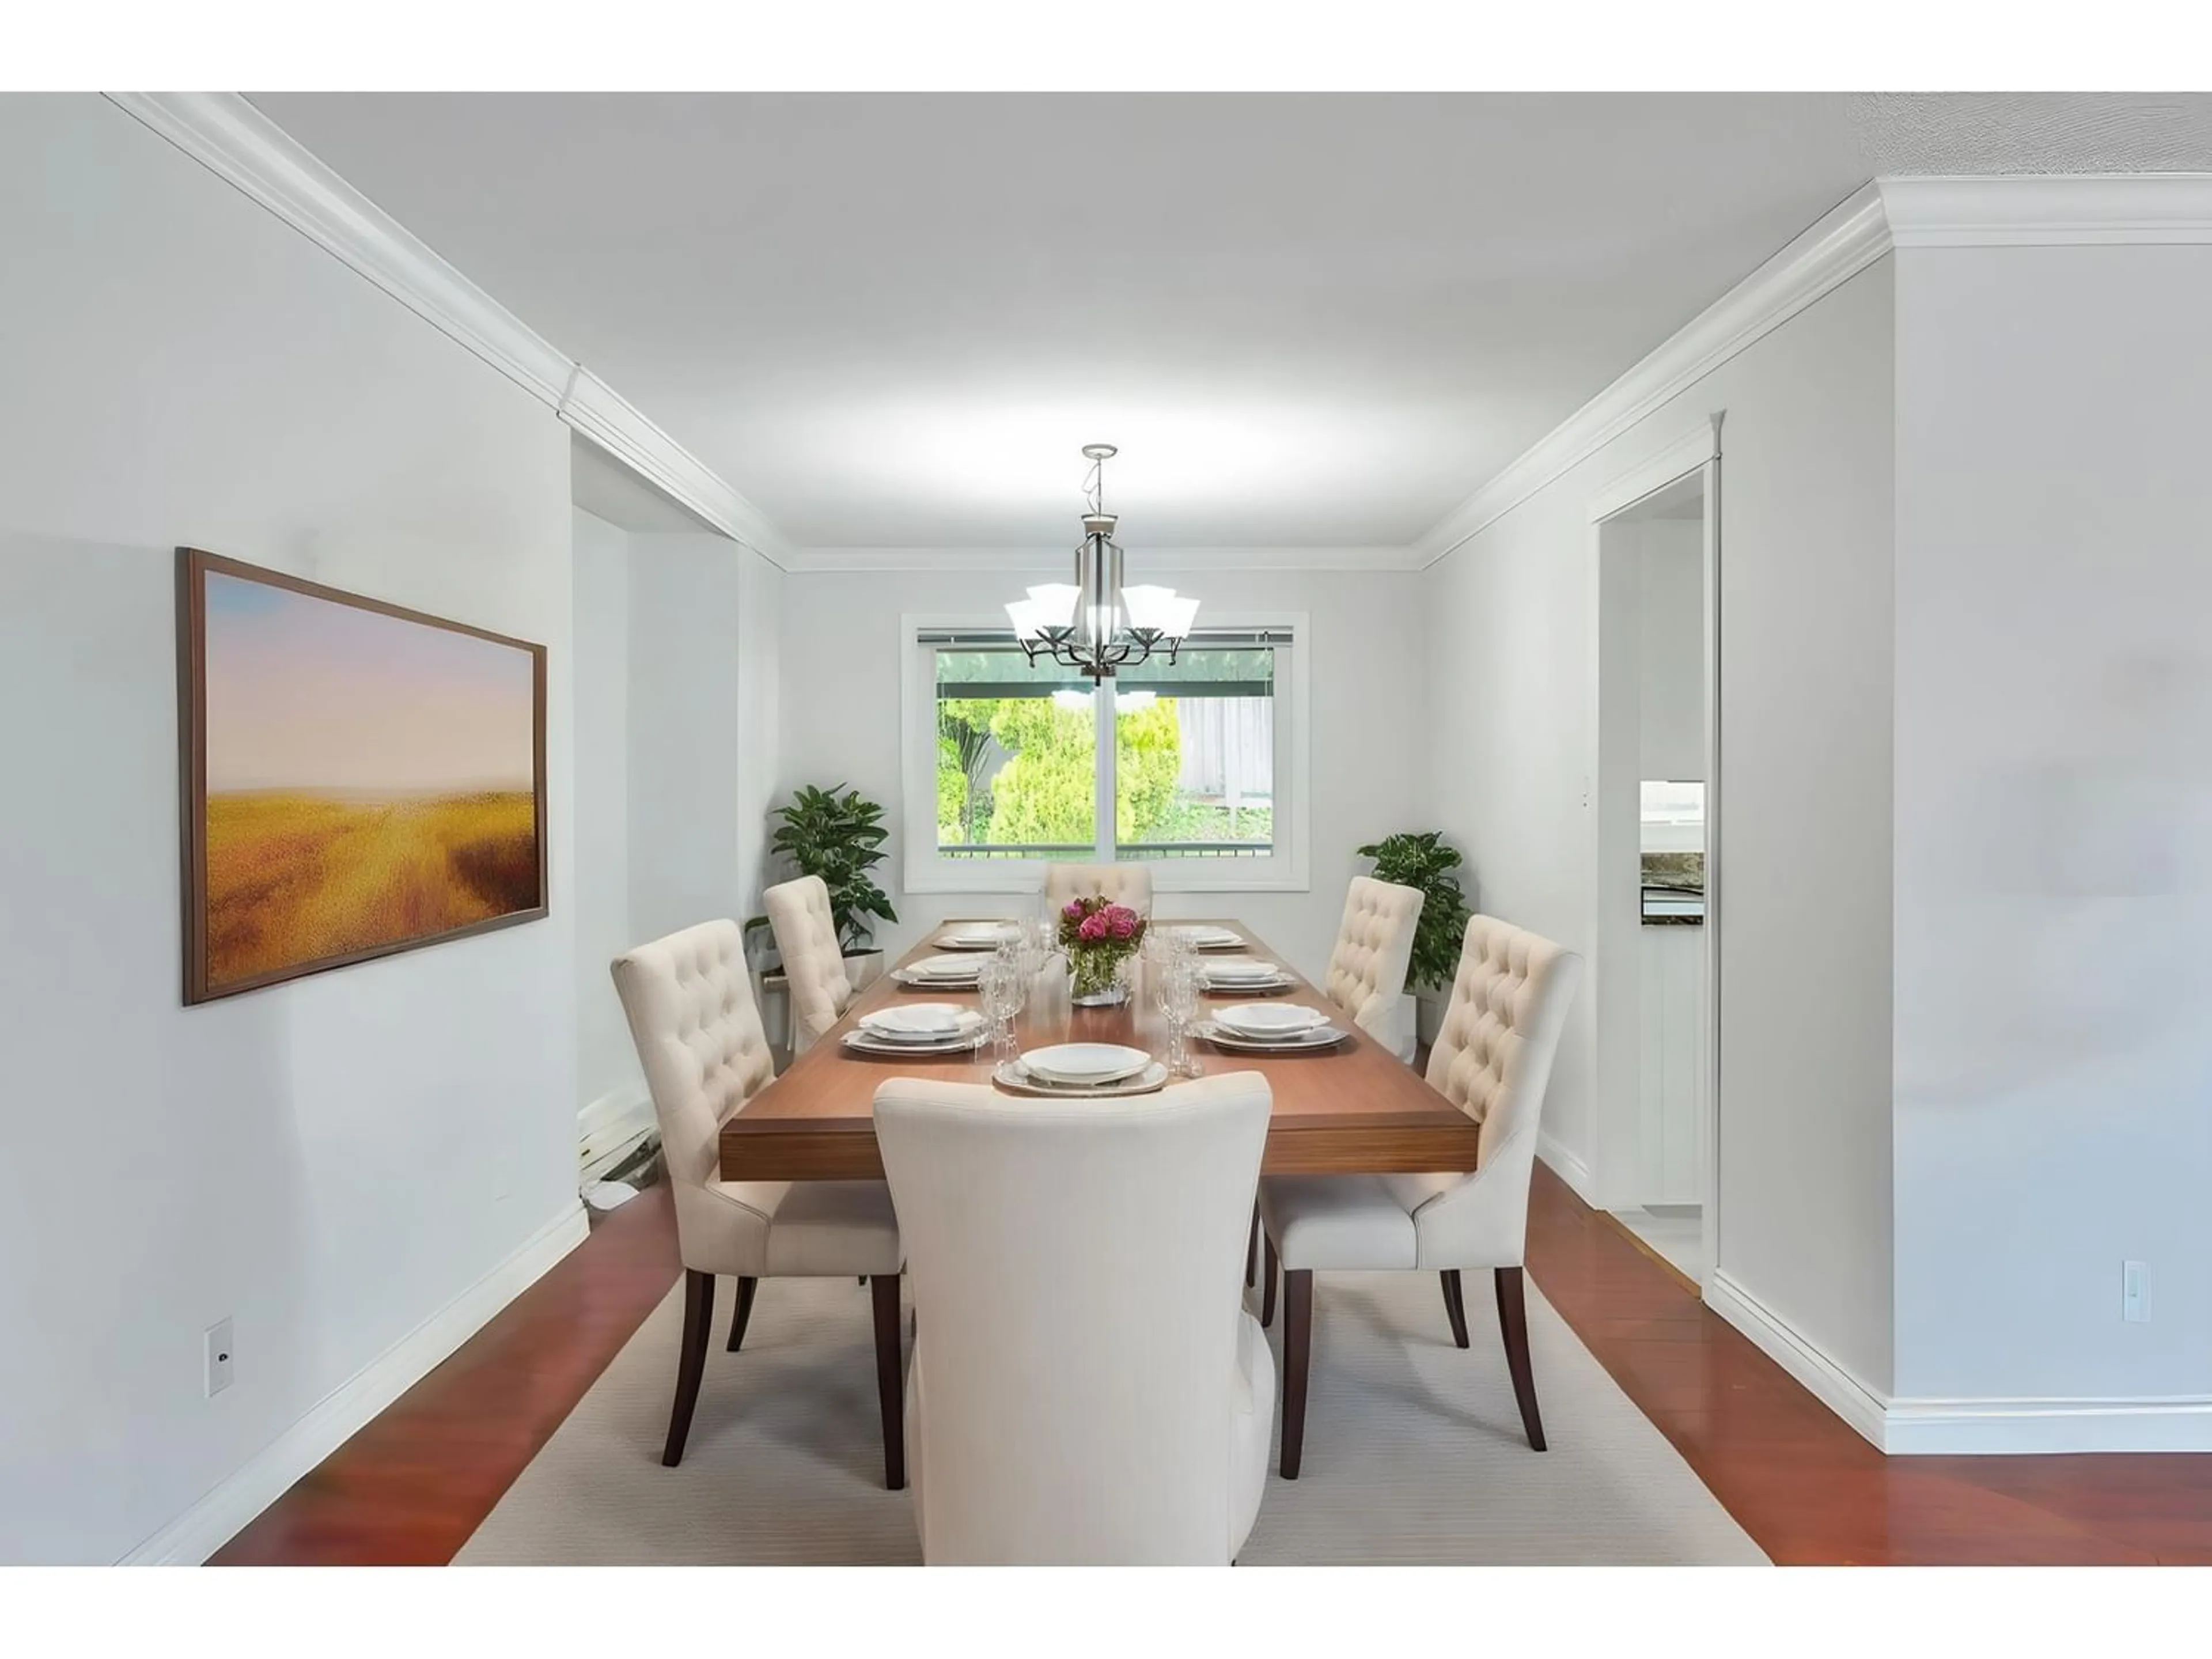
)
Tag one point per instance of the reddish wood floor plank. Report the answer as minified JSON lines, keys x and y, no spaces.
{"x":412,"y":1486}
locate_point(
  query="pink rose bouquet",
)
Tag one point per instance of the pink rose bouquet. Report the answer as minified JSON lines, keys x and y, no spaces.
{"x":1098,"y":936}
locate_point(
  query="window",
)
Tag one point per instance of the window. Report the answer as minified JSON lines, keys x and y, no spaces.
{"x":1006,"y":767}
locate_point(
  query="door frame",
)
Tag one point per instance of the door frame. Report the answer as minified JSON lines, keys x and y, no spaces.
{"x":1614,"y":940}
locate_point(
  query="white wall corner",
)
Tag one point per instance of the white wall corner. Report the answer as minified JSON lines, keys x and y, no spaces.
{"x":206,"y":1527}
{"x":225,"y":133}
{"x":2047,"y":210}
{"x":1568,"y":1168}
{"x":1822,"y":1375}
{"x":1843,"y":242}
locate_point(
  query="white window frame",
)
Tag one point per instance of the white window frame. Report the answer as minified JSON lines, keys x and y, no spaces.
{"x":1283,"y":870}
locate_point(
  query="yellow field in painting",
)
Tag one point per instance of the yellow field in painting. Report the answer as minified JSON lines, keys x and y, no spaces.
{"x":294,"y":878}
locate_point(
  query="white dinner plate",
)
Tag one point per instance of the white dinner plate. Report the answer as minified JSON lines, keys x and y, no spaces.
{"x":1230,"y":969}
{"x":1322,"y":1037}
{"x":976,"y":936}
{"x":948,"y":969}
{"x":921,"y":1022}
{"x":1015,"y":1079}
{"x":1270,"y":1019}
{"x":1085,"y":1063}
{"x":1213,"y":939}
{"x":867,"y":1042}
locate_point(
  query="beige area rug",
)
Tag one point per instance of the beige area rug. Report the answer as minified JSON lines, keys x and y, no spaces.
{"x":1413,"y":1450}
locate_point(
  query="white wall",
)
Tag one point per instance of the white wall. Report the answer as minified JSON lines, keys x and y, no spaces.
{"x":704,"y":625}
{"x":606,"y":1063}
{"x":841,"y":719}
{"x":2054,"y":820}
{"x":1671,"y":658}
{"x":332,"y":1161}
{"x":1806,"y":592}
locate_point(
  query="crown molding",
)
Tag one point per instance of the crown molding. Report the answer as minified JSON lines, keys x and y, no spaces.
{"x":2037,"y":210}
{"x":1054,"y":562}
{"x":230,"y":137}
{"x":1843,"y":242}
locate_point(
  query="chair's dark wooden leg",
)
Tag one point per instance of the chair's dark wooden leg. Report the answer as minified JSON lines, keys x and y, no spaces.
{"x":1267,"y":1283}
{"x":744,"y":1314}
{"x":1513,"y":1321}
{"x":692,"y":1362}
{"x":889,"y":1386}
{"x":1454,"y":1305}
{"x":1298,"y":1351}
{"x":1252,"y":1251}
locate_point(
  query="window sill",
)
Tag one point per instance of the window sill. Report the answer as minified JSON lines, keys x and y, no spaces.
{"x":1027,"y":876}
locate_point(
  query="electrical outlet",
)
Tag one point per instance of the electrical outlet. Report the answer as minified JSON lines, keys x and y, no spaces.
{"x":221,"y":1361}
{"x":2135,"y":1291}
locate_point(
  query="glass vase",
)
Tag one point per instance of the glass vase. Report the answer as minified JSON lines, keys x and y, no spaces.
{"x":1098,"y":979}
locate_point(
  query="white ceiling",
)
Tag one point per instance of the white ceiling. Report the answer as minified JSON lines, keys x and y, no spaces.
{"x":1308,"y":320}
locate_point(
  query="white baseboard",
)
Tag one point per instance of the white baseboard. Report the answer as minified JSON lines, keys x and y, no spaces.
{"x":1569,"y":1169}
{"x":1829,"y":1383}
{"x":210,"y":1524}
{"x":616,"y":1116}
{"x":1969,"y":1427}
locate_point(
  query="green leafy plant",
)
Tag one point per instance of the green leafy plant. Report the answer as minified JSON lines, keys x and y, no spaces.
{"x":840,"y":838}
{"x":1423,"y":861}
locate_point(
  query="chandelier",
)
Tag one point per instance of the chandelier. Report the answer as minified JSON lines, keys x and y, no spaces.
{"x":1096,"y":625}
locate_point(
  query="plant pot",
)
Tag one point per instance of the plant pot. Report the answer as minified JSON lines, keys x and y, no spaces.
{"x":863,"y":969}
{"x":1429,"y":1018}
{"x":1408,"y":1026}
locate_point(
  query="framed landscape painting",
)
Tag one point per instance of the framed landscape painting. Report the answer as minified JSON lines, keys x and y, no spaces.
{"x":358,"y":779}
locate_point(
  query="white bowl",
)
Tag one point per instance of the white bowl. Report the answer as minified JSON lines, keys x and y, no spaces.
{"x":1271,"y":1019}
{"x":1085,"y":1062}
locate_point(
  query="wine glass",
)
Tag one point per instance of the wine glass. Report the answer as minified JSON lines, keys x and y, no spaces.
{"x":1174,"y":995}
{"x":1000,"y":981}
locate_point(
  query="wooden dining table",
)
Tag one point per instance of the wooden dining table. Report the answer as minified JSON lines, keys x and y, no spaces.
{"x":1355,"y":1109}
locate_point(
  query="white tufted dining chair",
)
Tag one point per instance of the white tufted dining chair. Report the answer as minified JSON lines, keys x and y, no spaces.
{"x":813,"y":960}
{"x":1123,"y":884}
{"x":1492,"y":1059}
{"x":1087,"y":1388}
{"x":689,"y":1003}
{"x":1366,"y":976}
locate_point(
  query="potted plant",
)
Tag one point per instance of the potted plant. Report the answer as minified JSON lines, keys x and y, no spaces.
{"x":839,"y":836}
{"x":1421,"y":860}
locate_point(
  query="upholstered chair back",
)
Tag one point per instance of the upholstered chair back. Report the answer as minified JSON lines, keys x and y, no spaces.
{"x":1077,"y":1268}
{"x":1492,"y":1059}
{"x":1123,"y":883}
{"x":689,"y":998}
{"x":813,"y":961}
{"x":1366,"y":974}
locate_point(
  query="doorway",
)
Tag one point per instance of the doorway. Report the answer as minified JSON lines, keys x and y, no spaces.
{"x":1655,"y":1156}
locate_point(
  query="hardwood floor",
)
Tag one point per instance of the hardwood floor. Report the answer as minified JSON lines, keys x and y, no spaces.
{"x":412,"y":1486}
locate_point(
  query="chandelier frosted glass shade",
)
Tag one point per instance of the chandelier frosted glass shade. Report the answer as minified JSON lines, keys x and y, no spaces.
{"x":1095,"y":624}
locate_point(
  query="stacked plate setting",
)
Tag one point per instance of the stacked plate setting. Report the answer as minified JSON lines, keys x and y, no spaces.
{"x":958,"y":972}
{"x":917,"y":1028}
{"x":976,"y":936}
{"x":1203,"y":936}
{"x":1237,"y":974}
{"x":1083,"y":1069}
{"x":1273,"y":1027}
